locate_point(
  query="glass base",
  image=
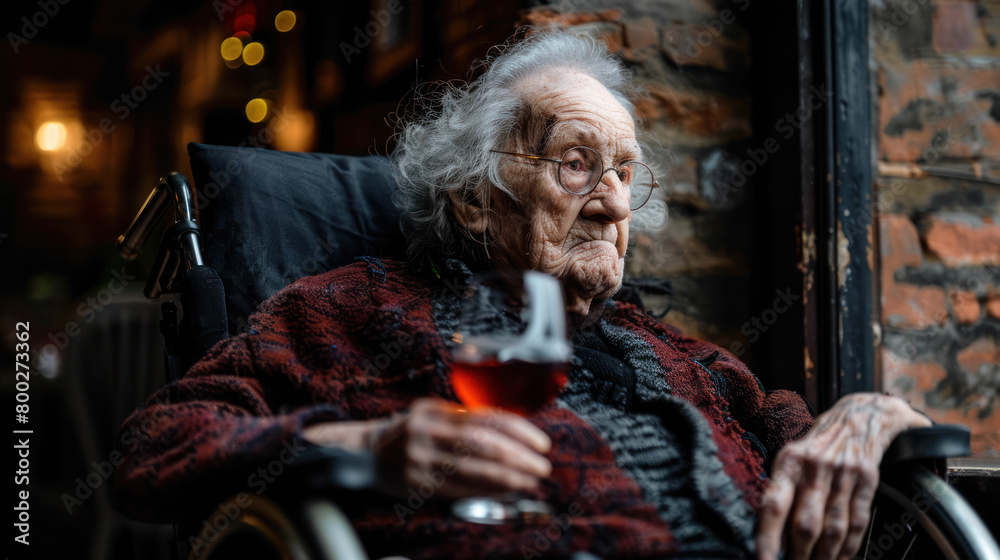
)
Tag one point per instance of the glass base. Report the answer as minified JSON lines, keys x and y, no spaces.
{"x":499,"y":511}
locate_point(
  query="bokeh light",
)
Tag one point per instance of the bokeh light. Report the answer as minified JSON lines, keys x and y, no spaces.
{"x":231,"y":49}
{"x":284,"y":21}
{"x":243,"y":36}
{"x":256,"y":110}
{"x":51,"y":136}
{"x":253,"y":53}
{"x":246,"y":22}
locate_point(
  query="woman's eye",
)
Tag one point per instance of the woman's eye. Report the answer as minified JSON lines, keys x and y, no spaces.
{"x":574,"y":165}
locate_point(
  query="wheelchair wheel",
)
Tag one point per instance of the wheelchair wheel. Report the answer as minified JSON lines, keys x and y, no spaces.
{"x":917,"y":516}
{"x":306,"y":529}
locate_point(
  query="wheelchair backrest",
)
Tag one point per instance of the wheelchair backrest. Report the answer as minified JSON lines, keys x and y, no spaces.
{"x":268,"y":218}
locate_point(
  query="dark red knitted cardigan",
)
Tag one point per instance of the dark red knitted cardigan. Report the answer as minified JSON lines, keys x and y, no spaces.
{"x":361,"y":342}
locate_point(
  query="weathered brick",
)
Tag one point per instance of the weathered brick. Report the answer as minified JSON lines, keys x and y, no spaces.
{"x":641,"y":34}
{"x":965,"y":242}
{"x":939,"y":106}
{"x":931,"y":110}
{"x":613,"y":38}
{"x":965,"y":306}
{"x":700,"y":113}
{"x":983,"y":351}
{"x":982,"y":419}
{"x":957,"y":29}
{"x":544,"y":17}
{"x":926,"y":386}
{"x":911,"y":381}
{"x":993,"y":303}
{"x":905,"y":305}
{"x":912,"y":307}
{"x":693,"y":44}
{"x":900,"y":243}
{"x":684,"y":188}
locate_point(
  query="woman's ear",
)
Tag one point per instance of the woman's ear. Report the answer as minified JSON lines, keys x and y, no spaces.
{"x":468,"y":211}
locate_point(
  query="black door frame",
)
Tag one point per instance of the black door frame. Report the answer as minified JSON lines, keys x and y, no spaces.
{"x":810,"y":59}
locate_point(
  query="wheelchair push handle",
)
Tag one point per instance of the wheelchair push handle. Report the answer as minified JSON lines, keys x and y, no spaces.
{"x":130,"y":243}
{"x":180,"y":249}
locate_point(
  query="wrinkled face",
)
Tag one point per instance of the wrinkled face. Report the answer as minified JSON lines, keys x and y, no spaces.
{"x":579,"y":239}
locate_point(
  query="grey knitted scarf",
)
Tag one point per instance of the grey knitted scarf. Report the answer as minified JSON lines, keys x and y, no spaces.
{"x":661,"y":441}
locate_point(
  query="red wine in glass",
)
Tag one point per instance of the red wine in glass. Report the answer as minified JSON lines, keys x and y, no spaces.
{"x":512,"y":354}
{"x":516,"y":385}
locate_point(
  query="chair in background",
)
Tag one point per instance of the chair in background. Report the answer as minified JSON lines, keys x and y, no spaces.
{"x":110,"y":368}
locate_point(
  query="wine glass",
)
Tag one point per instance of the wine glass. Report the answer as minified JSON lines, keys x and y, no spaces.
{"x":512,"y":353}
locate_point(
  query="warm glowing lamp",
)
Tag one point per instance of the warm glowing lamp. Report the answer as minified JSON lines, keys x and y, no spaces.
{"x":253,"y":53}
{"x":284,"y":21}
{"x":51,"y":136}
{"x":256,"y":110}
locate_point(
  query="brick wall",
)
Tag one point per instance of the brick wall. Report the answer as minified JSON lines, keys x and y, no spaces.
{"x":936,"y":107}
{"x":937,"y":129}
{"x":693,"y":60}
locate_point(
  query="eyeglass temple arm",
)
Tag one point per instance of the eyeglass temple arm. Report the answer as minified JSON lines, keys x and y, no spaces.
{"x":540,"y":158}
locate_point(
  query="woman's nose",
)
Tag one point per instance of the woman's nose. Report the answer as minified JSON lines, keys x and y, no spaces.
{"x":609,"y":202}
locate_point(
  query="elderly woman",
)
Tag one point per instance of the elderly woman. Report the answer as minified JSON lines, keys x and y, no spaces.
{"x":657,"y":446}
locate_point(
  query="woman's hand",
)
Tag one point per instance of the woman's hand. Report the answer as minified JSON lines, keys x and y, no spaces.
{"x":459,"y":453}
{"x":821,"y":487}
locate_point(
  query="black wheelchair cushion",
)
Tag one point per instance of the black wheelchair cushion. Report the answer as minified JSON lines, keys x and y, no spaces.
{"x":268,"y":218}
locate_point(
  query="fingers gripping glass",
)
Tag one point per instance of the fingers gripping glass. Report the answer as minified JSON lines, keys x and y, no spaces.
{"x":581,"y":170}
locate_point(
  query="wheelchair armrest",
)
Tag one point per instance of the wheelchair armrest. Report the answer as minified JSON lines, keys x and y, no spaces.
{"x":931,"y":443}
{"x":320,"y":468}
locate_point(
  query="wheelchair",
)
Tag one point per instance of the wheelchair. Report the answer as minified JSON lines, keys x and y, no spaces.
{"x":915,"y":515}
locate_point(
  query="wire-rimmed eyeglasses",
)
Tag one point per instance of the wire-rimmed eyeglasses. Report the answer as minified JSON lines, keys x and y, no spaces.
{"x":581,"y":170}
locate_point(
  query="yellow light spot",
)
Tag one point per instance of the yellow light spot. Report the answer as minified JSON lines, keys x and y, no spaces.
{"x":284,"y":21}
{"x":231,"y":49}
{"x":253,"y":53}
{"x":51,"y":136}
{"x":256,"y":110}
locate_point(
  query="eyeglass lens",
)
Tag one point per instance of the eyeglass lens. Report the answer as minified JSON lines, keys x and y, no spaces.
{"x":581,"y":170}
